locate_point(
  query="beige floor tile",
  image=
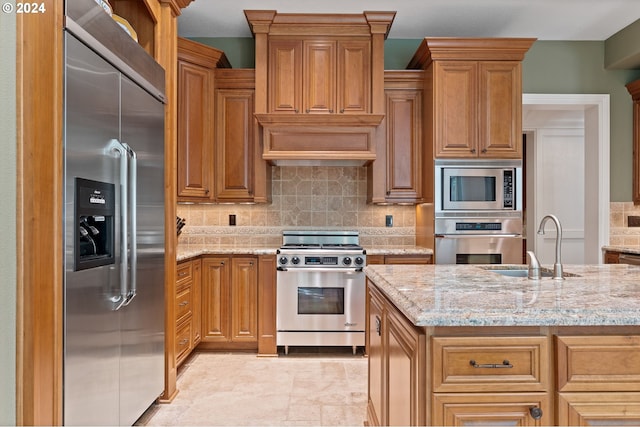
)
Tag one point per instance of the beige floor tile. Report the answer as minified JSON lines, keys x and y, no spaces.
{"x":309,"y":388}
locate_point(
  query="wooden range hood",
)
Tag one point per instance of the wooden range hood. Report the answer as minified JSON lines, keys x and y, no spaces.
{"x":319,"y":85}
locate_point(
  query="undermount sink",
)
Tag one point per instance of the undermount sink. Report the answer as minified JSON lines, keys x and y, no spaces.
{"x":520,"y":271}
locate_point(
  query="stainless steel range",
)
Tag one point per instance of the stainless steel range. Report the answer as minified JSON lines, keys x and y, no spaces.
{"x":321,"y":289}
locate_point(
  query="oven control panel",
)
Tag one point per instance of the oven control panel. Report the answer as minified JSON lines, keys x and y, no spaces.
{"x":357,"y":260}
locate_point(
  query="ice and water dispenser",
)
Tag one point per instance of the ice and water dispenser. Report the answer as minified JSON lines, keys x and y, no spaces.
{"x":95,"y":224}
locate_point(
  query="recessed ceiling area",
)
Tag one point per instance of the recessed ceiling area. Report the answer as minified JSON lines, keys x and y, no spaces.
{"x":415,"y":19}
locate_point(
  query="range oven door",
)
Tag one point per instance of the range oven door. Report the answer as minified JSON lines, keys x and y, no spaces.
{"x":478,"y":249}
{"x":320,"y":300}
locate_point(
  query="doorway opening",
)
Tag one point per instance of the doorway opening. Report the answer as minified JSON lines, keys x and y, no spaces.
{"x":567,"y":174}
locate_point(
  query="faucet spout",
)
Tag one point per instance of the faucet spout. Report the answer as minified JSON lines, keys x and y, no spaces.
{"x":557,"y":266}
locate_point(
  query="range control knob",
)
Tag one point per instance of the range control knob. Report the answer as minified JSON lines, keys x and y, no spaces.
{"x":295,"y":260}
{"x":359,"y":261}
{"x":346,"y":261}
{"x":283,"y":260}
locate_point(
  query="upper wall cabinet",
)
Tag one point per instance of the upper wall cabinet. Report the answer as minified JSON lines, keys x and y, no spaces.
{"x":634,"y":90}
{"x":473,"y":96}
{"x":196,"y":75}
{"x":319,"y":83}
{"x":323,"y":76}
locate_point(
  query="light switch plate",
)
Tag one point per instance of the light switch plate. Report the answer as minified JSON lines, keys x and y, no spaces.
{"x":232,"y":219}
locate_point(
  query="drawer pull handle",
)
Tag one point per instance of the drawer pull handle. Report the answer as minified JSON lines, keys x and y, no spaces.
{"x":183,"y":303}
{"x":184,"y":341}
{"x":378,"y":326}
{"x":182,"y":274}
{"x":505,"y":364}
{"x":536,"y":413}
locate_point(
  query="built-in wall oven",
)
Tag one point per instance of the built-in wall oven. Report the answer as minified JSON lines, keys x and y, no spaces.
{"x":478,"y":240}
{"x":321,"y":290}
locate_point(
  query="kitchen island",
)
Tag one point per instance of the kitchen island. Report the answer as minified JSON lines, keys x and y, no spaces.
{"x":457,"y":345}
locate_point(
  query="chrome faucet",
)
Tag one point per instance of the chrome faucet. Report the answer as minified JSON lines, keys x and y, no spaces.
{"x":557,"y":266}
{"x":534,"y":266}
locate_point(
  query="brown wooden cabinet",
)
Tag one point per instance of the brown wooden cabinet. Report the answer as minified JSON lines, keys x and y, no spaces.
{"x":229,"y":302}
{"x":234,"y":144}
{"x":322,"y":75}
{"x":598,"y":380}
{"x":634,"y":90}
{"x":186,"y":309}
{"x":397,"y":175}
{"x":611,"y":257}
{"x":196,"y":75}
{"x":473,"y":96}
{"x":397,"y":366}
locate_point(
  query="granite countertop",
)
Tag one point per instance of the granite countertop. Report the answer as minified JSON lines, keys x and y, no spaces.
{"x":624,"y":249}
{"x":185,"y":252}
{"x":469,"y":295}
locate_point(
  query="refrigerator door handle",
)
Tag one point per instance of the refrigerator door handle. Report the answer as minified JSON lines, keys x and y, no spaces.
{"x":122,"y":150}
{"x":133,"y":208}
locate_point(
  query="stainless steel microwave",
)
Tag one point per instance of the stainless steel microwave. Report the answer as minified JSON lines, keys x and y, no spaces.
{"x":478,"y":185}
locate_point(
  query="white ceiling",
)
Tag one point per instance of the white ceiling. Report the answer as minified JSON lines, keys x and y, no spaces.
{"x":415,"y":19}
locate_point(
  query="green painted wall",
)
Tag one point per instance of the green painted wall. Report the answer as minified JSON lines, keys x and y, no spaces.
{"x":8,"y":214}
{"x":549,"y":67}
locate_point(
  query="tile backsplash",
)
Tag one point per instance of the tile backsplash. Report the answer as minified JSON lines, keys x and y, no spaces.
{"x":619,"y":231}
{"x":303,"y":197}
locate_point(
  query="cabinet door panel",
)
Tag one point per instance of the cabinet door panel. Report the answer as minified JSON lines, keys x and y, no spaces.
{"x":490,"y":409}
{"x":405,"y":371}
{"x":285,"y":76}
{"x":354,"y":77}
{"x":455,"y":107}
{"x":244,"y":300}
{"x":196,"y":291}
{"x":500,"y":109}
{"x":234,"y":144}
{"x":195,"y":136}
{"x":215,"y":299}
{"x":599,"y":409}
{"x":404,"y":148}
{"x":319,"y":77}
{"x":376,"y":412}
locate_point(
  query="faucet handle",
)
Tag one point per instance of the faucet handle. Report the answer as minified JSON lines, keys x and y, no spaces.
{"x":534,"y":266}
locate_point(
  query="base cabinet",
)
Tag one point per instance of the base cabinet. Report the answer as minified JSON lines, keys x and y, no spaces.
{"x":499,"y":376}
{"x":490,"y":409}
{"x":598,"y":409}
{"x":186,"y":309}
{"x":396,"y":366}
{"x":229,"y":302}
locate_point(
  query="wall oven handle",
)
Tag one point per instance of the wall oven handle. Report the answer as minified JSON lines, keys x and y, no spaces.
{"x":466,"y":236}
{"x":282,"y":269}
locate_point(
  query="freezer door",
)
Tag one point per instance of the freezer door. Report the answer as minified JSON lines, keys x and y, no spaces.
{"x":91,"y":326}
{"x":142,"y":363}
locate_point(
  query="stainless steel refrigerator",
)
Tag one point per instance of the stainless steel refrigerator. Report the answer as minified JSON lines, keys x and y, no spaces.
{"x":114,"y":222}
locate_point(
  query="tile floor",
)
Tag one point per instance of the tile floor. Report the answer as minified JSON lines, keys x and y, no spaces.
{"x":303,"y":388}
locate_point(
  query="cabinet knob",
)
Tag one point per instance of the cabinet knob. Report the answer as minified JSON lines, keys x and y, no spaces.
{"x":484,"y":150}
{"x":308,"y":111}
{"x":206,"y":191}
{"x":221,"y":262}
{"x":342,"y":111}
{"x":251,"y":263}
{"x":296,"y":111}
{"x":331,"y":111}
{"x":473,"y":150}
{"x":536,"y":412}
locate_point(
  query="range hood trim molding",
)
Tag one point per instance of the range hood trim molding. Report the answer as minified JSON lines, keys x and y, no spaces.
{"x":319,"y":138}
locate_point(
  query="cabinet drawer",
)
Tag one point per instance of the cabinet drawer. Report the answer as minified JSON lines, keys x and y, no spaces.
{"x":184,"y":274}
{"x":469,"y":364}
{"x":598,"y":363}
{"x":183,"y":304}
{"x":183,"y":342}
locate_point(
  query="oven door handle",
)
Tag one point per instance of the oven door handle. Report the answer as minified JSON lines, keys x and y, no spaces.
{"x":466,"y":236}
{"x":323,"y":270}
